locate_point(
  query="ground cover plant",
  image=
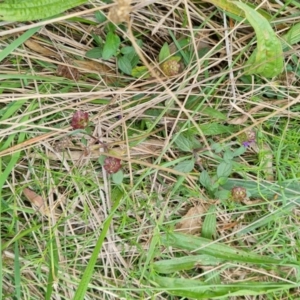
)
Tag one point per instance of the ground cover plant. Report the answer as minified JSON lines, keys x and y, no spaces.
{"x":149,"y":150}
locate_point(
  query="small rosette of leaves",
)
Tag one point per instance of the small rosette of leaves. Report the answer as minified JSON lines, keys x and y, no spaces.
{"x":80,"y":120}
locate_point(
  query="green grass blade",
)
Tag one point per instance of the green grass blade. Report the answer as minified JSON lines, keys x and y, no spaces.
{"x":19,"y":235}
{"x":205,"y":246}
{"x":53,"y":269}
{"x":87,"y":275}
{"x":17,"y":271}
{"x":19,"y":41}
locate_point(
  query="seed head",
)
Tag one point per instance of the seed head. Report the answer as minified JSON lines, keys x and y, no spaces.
{"x":80,"y":120}
{"x":112,"y":165}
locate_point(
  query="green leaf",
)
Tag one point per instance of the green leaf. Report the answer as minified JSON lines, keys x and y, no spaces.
{"x":94,"y":53}
{"x":214,"y":128}
{"x":187,"y":144}
{"x":196,"y":289}
{"x":185,"y":166}
{"x":214,"y":113}
{"x":100,"y":16}
{"x":124,"y":65}
{"x":140,"y":72}
{"x":224,"y":169}
{"x":117,"y":178}
{"x":17,"y":42}
{"x":205,"y":180}
{"x":98,"y":40}
{"x":117,"y":196}
{"x":287,"y":196}
{"x":292,"y":36}
{"x":168,"y":266}
{"x":209,"y":226}
{"x":111,"y":45}
{"x":34,"y":9}
{"x":267,"y":59}
{"x":128,"y":50}
{"x":241,"y":150}
{"x":222,"y":194}
{"x":164,"y":52}
{"x":201,"y":245}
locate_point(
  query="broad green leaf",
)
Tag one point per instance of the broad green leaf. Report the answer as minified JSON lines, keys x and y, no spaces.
{"x":222,"y":194}
{"x":94,"y":53}
{"x":214,"y":113}
{"x":185,"y":166}
{"x":140,"y":72}
{"x":34,"y":9}
{"x":196,"y":289}
{"x":292,"y":36}
{"x":241,"y":150}
{"x":100,"y":16}
{"x":214,"y":128}
{"x":224,"y":169}
{"x":168,"y":266}
{"x":128,"y":50}
{"x":184,"y":143}
{"x":117,"y":178}
{"x":164,"y":52}
{"x":124,"y":65}
{"x":267,"y":58}
{"x":201,"y":245}
{"x":111,"y":45}
{"x":205,"y":180}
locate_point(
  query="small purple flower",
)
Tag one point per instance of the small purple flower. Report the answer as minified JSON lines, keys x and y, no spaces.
{"x":248,"y":138}
{"x":247,"y":144}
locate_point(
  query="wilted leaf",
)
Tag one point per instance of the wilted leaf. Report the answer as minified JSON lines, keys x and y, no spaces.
{"x":37,"y":201}
{"x":35,"y":46}
{"x":191,"y":222}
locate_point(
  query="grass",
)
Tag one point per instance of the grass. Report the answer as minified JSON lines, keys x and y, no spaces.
{"x":170,"y":225}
